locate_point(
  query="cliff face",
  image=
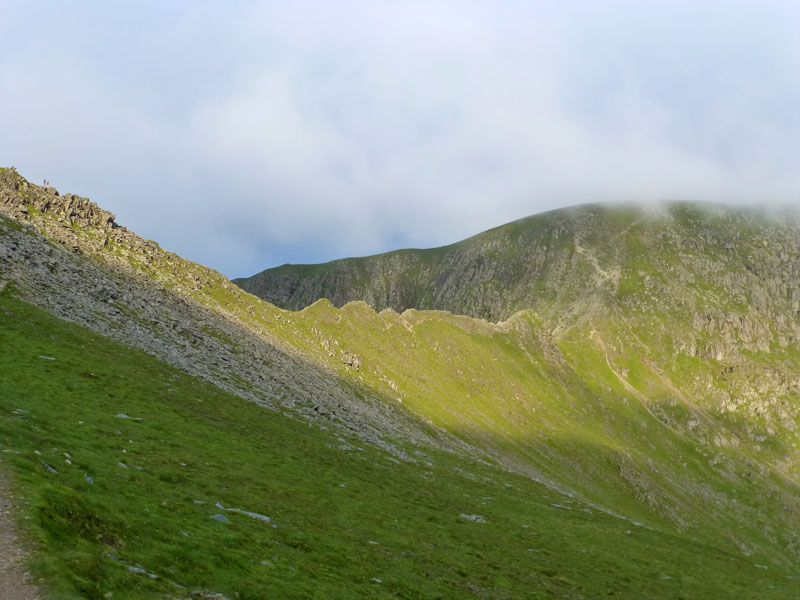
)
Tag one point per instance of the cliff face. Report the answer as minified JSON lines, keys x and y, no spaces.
{"x":487,"y":276}
{"x":576,"y":252}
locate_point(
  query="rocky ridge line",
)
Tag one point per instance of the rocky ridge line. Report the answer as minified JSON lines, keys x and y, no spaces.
{"x":734,"y":273}
{"x":92,"y":273}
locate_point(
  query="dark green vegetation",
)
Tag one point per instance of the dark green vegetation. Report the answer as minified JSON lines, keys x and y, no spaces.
{"x":344,"y":518}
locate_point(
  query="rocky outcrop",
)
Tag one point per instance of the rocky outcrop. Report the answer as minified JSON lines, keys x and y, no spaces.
{"x":20,"y":199}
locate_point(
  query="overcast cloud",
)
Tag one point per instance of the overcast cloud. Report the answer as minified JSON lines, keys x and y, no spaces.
{"x":244,"y":135}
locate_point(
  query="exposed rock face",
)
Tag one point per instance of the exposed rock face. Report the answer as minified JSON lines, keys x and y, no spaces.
{"x":489,"y":276}
{"x":73,"y":221}
{"x":734,"y":272}
{"x":22,"y":201}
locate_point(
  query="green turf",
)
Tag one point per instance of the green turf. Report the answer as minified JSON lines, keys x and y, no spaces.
{"x":347,"y":523}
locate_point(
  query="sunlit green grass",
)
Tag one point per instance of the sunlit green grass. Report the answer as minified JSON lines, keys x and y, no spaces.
{"x":343,"y":523}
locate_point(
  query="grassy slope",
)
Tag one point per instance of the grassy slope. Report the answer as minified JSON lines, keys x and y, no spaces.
{"x":329,"y":506}
{"x":614,"y":406}
{"x":610,"y":408}
{"x":561,"y":413}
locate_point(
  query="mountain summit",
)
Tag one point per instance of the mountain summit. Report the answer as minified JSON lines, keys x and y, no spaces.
{"x":552,"y":261}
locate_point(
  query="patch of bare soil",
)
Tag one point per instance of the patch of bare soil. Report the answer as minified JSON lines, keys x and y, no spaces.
{"x":13,"y":577}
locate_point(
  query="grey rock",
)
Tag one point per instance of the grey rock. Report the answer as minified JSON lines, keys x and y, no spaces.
{"x":206,"y":595}
{"x":254,"y":515}
{"x":49,"y":468}
{"x":141,"y":571}
{"x":250,"y":514}
{"x":352,"y":359}
{"x":474,"y":518}
{"x":124,"y":416}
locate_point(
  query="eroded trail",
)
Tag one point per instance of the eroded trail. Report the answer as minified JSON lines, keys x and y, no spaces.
{"x":13,"y":578}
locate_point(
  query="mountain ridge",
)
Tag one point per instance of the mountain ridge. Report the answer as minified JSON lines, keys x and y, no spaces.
{"x":495,"y":273}
{"x":111,"y":280}
{"x":666,"y":395}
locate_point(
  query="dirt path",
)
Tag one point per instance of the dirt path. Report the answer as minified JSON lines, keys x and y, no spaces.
{"x":13,"y":585}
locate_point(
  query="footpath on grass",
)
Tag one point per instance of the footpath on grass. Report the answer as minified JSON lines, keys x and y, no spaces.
{"x":13,"y":577}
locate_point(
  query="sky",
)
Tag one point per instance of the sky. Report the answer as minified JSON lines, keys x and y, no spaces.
{"x":245,"y":135}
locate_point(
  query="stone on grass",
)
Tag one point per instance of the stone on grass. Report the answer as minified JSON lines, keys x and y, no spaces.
{"x":124,"y":416}
{"x":474,"y":518}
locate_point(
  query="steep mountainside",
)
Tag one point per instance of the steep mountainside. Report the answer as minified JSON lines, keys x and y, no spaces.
{"x":94,"y":272}
{"x":572,"y":256}
{"x":654,"y":382}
